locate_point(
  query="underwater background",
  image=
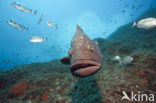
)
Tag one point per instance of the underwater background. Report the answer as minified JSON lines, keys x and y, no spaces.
{"x":32,"y":72}
{"x":97,"y":18}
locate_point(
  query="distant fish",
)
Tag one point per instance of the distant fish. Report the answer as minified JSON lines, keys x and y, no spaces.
{"x":104,"y":32}
{"x":125,"y":60}
{"x":116,"y":58}
{"x":151,"y":6}
{"x":147,"y":23}
{"x":123,"y":11}
{"x":41,"y":18}
{"x":140,"y":5}
{"x":22,"y":8}
{"x":37,"y":39}
{"x":6,"y":61}
{"x":18,"y":26}
{"x":52,"y":25}
{"x":126,"y":5}
{"x":133,"y":7}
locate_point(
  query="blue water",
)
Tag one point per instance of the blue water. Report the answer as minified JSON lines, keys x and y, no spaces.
{"x":98,"y":18}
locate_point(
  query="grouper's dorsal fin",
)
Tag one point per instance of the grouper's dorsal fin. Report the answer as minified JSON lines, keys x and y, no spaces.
{"x":65,"y":60}
{"x":79,"y":30}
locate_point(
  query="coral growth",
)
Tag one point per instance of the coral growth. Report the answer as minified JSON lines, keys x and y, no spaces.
{"x":19,"y":88}
{"x":45,"y":96}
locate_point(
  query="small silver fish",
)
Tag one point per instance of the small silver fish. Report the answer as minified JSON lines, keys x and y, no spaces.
{"x":37,"y":39}
{"x":41,"y":18}
{"x":18,"y":26}
{"x":22,"y":8}
{"x":116,"y":58}
{"x":52,"y":25}
{"x":127,"y":60}
{"x":147,"y":23}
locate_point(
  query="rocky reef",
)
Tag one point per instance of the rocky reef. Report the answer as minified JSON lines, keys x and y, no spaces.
{"x":52,"y":82}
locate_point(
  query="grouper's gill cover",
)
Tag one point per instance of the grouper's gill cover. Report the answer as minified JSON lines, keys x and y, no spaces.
{"x":84,"y":55}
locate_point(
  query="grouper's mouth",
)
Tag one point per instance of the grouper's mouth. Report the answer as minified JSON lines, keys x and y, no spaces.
{"x":83,"y":68}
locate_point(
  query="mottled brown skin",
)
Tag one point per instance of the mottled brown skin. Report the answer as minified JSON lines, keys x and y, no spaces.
{"x":84,"y":56}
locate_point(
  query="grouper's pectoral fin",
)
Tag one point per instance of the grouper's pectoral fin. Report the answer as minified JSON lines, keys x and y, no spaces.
{"x":65,"y":60}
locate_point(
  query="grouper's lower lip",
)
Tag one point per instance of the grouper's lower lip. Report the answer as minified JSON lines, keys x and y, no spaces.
{"x":83,"y":68}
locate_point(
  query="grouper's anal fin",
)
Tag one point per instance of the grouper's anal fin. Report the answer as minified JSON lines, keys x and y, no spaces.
{"x":65,"y":60}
